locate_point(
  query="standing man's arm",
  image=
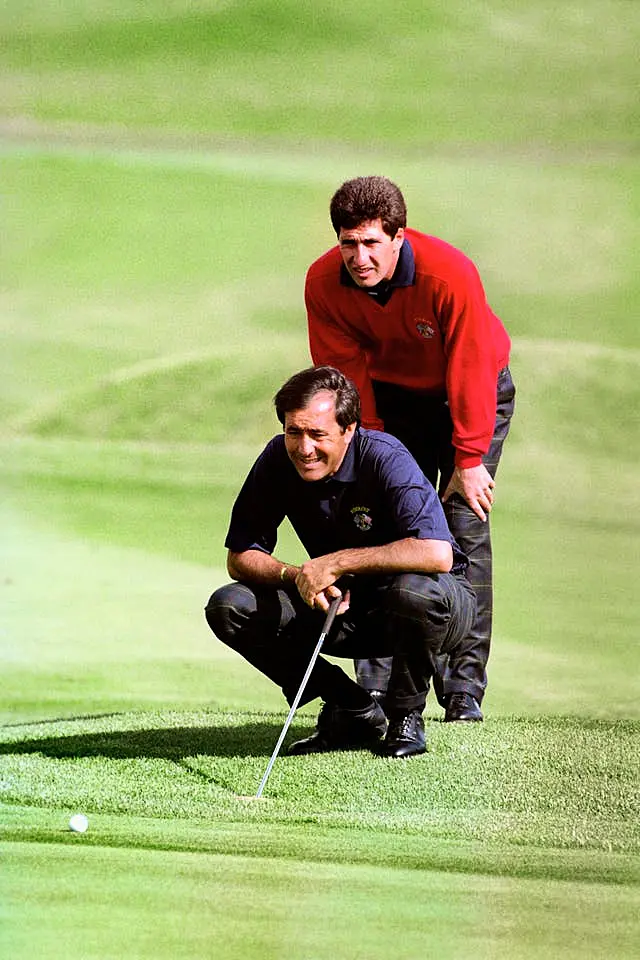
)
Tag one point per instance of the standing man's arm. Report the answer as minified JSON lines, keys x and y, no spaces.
{"x":474,"y":341}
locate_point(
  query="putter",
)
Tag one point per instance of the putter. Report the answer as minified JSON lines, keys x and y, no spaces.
{"x":331,"y":614}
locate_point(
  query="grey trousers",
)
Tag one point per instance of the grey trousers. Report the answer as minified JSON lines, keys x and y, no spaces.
{"x":410,"y":617}
{"x":424,"y":425}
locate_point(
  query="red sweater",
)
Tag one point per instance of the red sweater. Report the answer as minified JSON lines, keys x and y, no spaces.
{"x":438,"y":335}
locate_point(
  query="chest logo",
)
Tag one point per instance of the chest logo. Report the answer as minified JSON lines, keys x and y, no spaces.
{"x":425,"y":328}
{"x":362,"y":518}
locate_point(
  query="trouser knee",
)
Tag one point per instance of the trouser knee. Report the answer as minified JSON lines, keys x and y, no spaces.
{"x":436,"y":609}
{"x":225,"y":604}
{"x":242,"y":616}
{"x":229,"y":609}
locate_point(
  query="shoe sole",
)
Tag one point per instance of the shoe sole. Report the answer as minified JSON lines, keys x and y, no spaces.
{"x":400,"y":754}
{"x":463,"y":719}
{"x":336,"y":747}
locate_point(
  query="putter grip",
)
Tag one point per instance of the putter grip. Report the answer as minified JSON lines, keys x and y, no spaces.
{"x":331,"y":615}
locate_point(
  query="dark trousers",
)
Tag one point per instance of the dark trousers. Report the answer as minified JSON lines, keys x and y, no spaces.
{"x":423,"y":424}
{"x":410,"y":617}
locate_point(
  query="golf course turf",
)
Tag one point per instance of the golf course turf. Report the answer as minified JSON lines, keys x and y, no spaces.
{"x":167,"y":173}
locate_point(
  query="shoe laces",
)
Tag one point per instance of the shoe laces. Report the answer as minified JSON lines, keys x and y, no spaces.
{"x":406,"y":726}
{"x":458,"y":699}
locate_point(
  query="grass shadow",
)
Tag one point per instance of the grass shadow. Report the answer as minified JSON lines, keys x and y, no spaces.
{"x":176,"y":743}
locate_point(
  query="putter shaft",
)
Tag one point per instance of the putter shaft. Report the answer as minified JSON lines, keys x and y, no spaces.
{"x":331,"y":613}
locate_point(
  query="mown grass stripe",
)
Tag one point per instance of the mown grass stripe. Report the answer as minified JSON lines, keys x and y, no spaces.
{"x":313,"y":844}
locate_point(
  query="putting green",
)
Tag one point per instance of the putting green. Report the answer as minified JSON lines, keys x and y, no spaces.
{"x":157,"y":903}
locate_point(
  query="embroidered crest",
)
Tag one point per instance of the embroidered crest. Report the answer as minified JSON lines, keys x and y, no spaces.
{"x":361,"y":518}
{"x":425,"y":328}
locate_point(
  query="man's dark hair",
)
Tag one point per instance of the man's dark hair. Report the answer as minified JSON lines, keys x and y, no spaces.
{"x":368,"y":198}
{"x":302,"y":387}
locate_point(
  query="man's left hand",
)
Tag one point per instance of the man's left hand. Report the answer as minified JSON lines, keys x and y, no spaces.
{"x":476,"y":486}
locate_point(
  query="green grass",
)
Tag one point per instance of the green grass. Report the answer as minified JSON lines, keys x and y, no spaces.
{"x":541,"y":816}
{"x":187,"y":904}
{"x":542,"y":782}
{"x":166,"y":175}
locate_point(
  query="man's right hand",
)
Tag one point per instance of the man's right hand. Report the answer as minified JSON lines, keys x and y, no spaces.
{"x":316,"y":583}
{"x":322,"y":600}
{"x":476,"y":486}
{"x":314,"y":577}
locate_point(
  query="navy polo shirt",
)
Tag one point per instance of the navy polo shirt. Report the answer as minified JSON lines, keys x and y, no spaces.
{"x":377,"y":496}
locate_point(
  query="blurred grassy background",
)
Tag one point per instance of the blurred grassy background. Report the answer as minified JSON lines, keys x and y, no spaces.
{"x":167,"y":174}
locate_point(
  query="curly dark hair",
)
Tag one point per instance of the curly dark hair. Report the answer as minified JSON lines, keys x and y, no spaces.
{"x":302,"y":387}
{"x":368,"y":198}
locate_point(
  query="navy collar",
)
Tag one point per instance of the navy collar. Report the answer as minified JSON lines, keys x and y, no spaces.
{"x":404,"y":274}
{"x":346,"y":472}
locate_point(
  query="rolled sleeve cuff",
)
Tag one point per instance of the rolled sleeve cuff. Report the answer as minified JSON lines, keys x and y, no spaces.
{"x":467,"y":460}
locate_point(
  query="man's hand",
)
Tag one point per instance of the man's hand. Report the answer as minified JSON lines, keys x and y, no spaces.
{"x":476,"y":486}
{"x":316,"y":584}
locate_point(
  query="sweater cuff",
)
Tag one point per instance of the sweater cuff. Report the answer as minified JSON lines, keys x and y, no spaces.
{"x":466,"y":460}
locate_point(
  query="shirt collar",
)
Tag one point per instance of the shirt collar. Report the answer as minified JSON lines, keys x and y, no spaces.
{"x":404,"y":274}
{"x":346,"y":472}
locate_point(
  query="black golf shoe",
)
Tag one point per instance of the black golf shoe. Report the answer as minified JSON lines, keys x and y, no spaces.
{"x":405,"y":736}
{"x":339,"y":729}
{"x":462,"y":707}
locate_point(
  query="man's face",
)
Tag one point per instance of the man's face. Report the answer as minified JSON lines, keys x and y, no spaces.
{"x":369,"y":254}
{"x":315,"y":442}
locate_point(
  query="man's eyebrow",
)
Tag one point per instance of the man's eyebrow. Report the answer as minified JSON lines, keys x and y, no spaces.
{"x":367,"y":240}
{"x":316,"y":433}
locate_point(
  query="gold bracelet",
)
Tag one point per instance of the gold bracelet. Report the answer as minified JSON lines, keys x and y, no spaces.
{"x":283,"y":572}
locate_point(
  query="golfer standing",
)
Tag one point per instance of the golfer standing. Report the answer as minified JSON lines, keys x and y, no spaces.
{"x":362,"y":508}
{"x":404,"y":315}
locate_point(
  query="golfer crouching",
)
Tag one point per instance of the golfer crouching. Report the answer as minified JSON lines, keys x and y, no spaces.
{"x":367,"y":517}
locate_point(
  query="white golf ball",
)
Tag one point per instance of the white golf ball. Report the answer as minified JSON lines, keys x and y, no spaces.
{"x":78,"y":823}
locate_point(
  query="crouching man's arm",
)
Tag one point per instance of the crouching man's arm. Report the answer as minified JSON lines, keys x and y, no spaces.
{"x":255,"y":566}
{"x":316,"y":577}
